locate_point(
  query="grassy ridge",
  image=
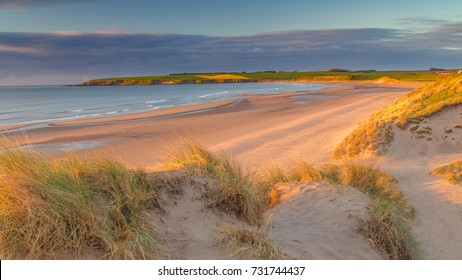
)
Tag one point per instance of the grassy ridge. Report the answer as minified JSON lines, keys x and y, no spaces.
{"x":198,"y":78}
{"x":237,"y":192}
{"x":373,"y":135}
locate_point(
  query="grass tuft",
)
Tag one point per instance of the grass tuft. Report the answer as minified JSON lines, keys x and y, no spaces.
{"x":451,"y":171}
{"x":248,"y":243}
{"x":237,"y":192}
{"x":73,"y":208}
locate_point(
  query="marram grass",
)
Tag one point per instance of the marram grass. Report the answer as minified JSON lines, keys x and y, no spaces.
{"x":73,"y":208}
{"x":451,"y":171}
{"x":247,"y":243}
{"x":237,"y":191}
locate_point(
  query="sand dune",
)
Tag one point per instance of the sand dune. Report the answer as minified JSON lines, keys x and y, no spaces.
{"x":318,"y":221}
{"x":313,"y":221}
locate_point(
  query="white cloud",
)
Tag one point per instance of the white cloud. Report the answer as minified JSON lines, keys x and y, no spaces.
{"x":452,"y":48}
{"x":21,"y":50}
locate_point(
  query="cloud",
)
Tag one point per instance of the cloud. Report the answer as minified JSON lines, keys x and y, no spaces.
{"x":18,"y":4}
{"x":79,"y":55}
{"x":23,"y":50}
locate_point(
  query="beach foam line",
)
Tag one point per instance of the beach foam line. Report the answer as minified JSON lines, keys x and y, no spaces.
{"x":74,"y":111}
{"x":155,"y":101}
{"x":141,"y":116}
{"x":212,"y":94}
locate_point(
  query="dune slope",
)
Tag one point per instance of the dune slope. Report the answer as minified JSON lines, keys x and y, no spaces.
{"x":374,"y":135}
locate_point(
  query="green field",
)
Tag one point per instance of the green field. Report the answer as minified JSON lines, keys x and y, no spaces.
{"x":269,"y":76}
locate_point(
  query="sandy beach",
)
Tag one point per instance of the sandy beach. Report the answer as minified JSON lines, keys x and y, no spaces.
{"x":279,"y":128}
{"x":254,"y":129}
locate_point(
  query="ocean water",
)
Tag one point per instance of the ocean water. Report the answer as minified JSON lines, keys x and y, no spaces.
{"x":40,"y":105}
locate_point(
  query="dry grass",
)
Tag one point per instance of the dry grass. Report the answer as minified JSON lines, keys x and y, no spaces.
{"x":451,"y":171}
{"x":374,"y":135}
{"x":73,"y":208}
{"x":237,"y":191}
{"x":389,"y":225}
{"x":248,"y":243}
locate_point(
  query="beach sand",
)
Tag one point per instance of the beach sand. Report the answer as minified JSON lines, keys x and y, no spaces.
{"x":254,"y":130}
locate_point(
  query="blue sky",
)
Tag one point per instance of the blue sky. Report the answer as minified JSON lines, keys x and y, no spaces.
{"x":68,"y":41}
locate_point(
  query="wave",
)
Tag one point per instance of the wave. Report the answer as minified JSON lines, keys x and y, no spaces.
{"x":94,"y":109}
{"x":150,"y":107}
{"x":155,"y":101}
{"x":51,"y":120}
{"x":75,"y":111}
{"x":111,"y":113}
{"x":71,"y":111}
{"x":215,"y":93}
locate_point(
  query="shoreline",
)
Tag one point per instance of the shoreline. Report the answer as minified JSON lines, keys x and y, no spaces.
{"x":191,"y":108}
{"x":167,"y":109}
{"x":252,"y":129}
{"x":162,"y":113}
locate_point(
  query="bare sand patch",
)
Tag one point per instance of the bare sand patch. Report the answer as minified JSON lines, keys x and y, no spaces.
{"x":320,"y":221}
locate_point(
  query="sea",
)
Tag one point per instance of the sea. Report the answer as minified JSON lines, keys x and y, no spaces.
{"x":37,"y":106}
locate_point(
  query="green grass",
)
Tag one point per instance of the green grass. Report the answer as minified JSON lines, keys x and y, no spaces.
{"x":451,"y":171}
{"x":233,"y":77}
{"x":73,"y":208}
{"x":237,"y":192}
{"x":247,"y":243}
{"x":389,"y":225}
{"x":374,"y":135}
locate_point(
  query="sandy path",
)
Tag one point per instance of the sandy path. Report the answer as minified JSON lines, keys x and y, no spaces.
{"x":438,"y":222}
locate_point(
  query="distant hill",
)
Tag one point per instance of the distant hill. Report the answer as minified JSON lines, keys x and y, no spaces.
{"x":266,"y":76}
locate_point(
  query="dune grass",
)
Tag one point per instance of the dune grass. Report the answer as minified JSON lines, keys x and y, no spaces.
{"x":374,"y":135}
{"x":451,"y":171}
{"x":73,"y":208}
{"x":389,"y":225}
{"x":237,"y":191}
{"x":248,"y":243}
{"x":76,"y":208}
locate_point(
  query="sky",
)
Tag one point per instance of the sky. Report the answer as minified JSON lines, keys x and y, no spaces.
{"x":70,"y":41}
